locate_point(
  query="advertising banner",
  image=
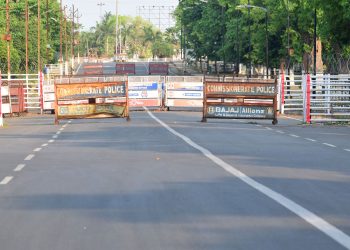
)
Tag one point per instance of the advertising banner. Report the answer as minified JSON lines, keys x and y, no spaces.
{"x":215,"y":111}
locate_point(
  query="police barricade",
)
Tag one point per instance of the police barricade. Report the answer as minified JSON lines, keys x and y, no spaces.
{"x":125,"y":69}
{"x":158,"y":68}
{"x":93,"y":69}
{"x":49,"y":95}
{"x":145,"y":91}
{"x":184,"y":92}
{"x":251,"y":99}
{"x":91,"y":100}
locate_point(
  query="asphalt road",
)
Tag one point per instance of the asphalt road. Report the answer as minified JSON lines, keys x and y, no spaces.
{"x":168,"y":181}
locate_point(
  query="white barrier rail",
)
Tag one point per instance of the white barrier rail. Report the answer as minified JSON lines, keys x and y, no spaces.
{"x":329,"y":98}
{"x":291,"y":94}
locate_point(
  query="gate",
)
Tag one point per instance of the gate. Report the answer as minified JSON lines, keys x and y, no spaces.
{"x":158,"y":68}
{"x":253,"y":99}
{"x":125,"y":69}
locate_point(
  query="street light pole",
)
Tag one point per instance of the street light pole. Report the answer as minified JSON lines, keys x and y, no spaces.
{"x":250,"y":43}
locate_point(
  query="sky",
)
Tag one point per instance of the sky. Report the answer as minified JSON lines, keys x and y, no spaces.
{"x":90,"y":10}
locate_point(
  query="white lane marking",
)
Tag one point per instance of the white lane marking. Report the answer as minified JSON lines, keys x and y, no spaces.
{"x":19,"y":167}
{"x":268,"y":128}
{"x":319,"y":223}
{"x":44,"y":145}
{"x":61,"y":129}
{"x":348,"y":150}
{"x":295,"y":136}
{"x":258,"y":125}
{"x":6,"y":180}
{"x":58,"y":132}
{"x":51,"y":141}
{"x":65,"y":125}
{"x":37,"y":149}
{"x":55,"y":136}
{"x":309,"y":139}
{"x":280,"y":132}
{"x":29,"y":157}
{"x":329,"y":145}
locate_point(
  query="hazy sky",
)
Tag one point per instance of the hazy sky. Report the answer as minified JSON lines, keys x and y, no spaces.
{"x":90,"y":10}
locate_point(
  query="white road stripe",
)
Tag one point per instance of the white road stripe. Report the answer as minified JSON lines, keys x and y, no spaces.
{"x":29,"y":157}
{"x":295,"y":136}
{"x":19,"y":167}
{"x":55,"y":136}
{"x":329,"y":145}
{"x":280,"y":132}
{"x":58,"y":132}
{"x":51,"y":141}
{"x":61,"y":129}
{"x":268,"y":128}
{"x":37,"y":149}
{"x":258,"y":125}
{"x":65,"y":125}
{"x":327,"y":228}
{"x":6,"y":180}
{"x":309,"y":139}
{"x":348,"y":150}
{"x":44,"y":145}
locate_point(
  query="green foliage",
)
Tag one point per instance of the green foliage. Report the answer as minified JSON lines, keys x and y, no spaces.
{"x":17,"y":31}
{"x":217,"y":35}
{"x":138,"y":38}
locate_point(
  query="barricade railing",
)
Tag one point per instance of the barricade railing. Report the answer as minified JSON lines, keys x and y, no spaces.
{"x":184,"y":92}
{"x":251,"y":99}
{"x":327,"y":98}
{"x":97,"y":98}
{"x":146,"y":91}
{"x":290,"y":92}
{"x":23,"y":92}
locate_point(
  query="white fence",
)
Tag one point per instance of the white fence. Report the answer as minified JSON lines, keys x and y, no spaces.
{"x":319,"y":98}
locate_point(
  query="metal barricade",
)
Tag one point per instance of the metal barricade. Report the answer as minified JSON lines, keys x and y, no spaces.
{"x":327,"y":98}
{"x":184,"y":92}
{"x":146,"y":91}
{"x":290,"y":94}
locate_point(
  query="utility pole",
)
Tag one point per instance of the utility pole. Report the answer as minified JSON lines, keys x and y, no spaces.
{"x":27,"y":35}
{"x":116,"y":28}
{"x":8,"y":38}
{"x":250,"y":44}
{"x":47,"y":31}
{"x":39,"y":21}
{"x":61,"y":14}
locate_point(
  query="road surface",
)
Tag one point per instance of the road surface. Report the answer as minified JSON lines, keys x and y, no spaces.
{"x":168,"y":181}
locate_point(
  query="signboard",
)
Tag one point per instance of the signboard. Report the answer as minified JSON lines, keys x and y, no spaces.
{"x":144,"y":94}
{"x":243,"y":89}
{"x":184,"y":92}
{"x":90,"y":90}
{"x":255,"y":112}
{"x":254,"y":99}
{"x":90,"y":110}
{"x":91,"y":100}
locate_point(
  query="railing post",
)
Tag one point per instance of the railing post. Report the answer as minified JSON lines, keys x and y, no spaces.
{"x":307,"y":98}
{"x":41,"y":98}
{"x":282,"y":93}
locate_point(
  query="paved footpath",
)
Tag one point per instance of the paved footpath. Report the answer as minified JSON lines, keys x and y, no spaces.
{"x":168,"y":181}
